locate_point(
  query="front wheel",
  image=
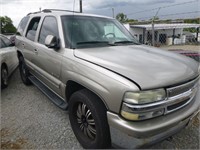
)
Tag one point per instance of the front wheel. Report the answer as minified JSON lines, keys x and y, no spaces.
{"x":88,"y":119}
{"x":24,"y":73}
{"x":4,"y":77}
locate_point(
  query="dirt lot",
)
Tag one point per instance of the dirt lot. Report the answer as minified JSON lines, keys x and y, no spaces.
{"x":30,"y":121}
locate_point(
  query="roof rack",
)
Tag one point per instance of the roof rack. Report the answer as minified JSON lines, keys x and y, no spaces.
{"x":34,"y":13}
{"x":50,"y":10}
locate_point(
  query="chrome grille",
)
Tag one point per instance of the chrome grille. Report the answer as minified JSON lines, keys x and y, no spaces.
{"x":181,"y":88}
{"x":180,"y":96}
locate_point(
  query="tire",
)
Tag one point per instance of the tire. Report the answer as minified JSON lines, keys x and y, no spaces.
{"x":4,"y":77}
{"x":24,"y":73}
{"x":88,"y":120}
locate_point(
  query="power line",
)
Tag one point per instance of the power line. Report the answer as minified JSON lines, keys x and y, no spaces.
{"x":175,"y":14}
{"x":163,"y":7}
{"x":192,"y":12}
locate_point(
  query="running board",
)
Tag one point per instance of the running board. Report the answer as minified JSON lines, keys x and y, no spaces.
{"x":52,"y":96}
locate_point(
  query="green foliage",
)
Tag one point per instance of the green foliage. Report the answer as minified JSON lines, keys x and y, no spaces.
{"x":132,"y":21}
{"x":122,"y":17}
{"x":192,"y":30}
{"x":7,"y":25}
{"x":195,"y":21}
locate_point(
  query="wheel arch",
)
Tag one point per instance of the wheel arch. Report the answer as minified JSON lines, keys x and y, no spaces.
{"x":19,"y":53}
{"x":73,"y":86}
{"x":4,"y":64}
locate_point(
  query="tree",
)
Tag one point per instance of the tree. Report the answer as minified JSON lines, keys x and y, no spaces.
{"x":192,"y":21}
{"x":195,"y":20}
{"x":131,"y":21}
{"x":122,"y":17}
{"x":7,"y":25}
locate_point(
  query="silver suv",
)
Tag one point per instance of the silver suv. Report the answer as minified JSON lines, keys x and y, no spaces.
{"x":117,"y":92}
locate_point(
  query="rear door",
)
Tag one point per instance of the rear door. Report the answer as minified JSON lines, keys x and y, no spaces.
{"x":29,"y":40}
{"x":48,"y":60}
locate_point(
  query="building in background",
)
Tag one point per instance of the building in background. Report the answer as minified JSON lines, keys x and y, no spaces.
{"x":164,"y":34}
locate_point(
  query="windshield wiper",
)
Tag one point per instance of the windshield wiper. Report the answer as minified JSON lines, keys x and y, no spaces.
{"x":93,"y":42}
{"x":125,"y":42}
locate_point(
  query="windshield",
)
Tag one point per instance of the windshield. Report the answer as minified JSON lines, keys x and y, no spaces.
{"x":87,"y":31}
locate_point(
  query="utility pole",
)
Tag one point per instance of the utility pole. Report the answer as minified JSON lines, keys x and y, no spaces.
{"x":113,"y":12}
{"x":81,"y":6}
{"x":153,"y":30}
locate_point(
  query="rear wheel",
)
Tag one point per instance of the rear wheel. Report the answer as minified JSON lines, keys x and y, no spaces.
{"x":4,"y":77}
{"x":24,"y":73}
{"x":89,"y":120}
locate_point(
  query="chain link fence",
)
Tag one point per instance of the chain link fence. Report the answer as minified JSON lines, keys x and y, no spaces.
{"x":166,"y":34}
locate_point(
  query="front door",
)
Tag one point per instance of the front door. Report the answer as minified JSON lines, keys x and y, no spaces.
{"x":47,"y":61}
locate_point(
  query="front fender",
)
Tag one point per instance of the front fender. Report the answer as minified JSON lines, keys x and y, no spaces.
{"x":109,"y":86}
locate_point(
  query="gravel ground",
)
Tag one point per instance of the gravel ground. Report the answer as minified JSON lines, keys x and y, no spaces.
{"x":30,"y":121}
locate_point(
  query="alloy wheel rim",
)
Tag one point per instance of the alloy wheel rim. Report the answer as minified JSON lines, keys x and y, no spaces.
{"x":23,"y":69}
{"x":86,"y":121}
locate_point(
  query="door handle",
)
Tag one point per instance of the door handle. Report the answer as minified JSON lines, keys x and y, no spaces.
{"x":23,"y":45}
{"x":36,"y":51}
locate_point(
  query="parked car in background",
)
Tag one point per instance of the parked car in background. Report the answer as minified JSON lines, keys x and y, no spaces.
{"x":116,"y":91}
{"x":11,"y":37}
{"x":9,"y":60}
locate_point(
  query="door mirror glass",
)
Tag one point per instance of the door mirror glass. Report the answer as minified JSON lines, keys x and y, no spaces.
{"x":52,"y":42}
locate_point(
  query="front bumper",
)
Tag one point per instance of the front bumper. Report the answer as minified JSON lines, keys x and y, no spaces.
{"x":129,"y":134}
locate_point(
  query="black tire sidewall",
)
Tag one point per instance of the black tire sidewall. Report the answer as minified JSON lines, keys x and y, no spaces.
{"x":25,"y":76}
{"x":2,"y":81}
{"x":98,"y":111}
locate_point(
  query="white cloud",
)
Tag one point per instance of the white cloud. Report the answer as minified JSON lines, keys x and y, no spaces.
{"x":16,"y":9}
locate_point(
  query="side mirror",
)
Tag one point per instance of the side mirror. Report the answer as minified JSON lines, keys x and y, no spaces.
{"x":12,"y":44}
{"x":52,"y":42}
{"x":12,"y":41}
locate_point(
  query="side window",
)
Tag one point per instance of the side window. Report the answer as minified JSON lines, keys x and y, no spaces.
{"x":32,"y":28}
{"x":49,"y":27}
{"x":22,"y":25}
{"x":6,"y":41}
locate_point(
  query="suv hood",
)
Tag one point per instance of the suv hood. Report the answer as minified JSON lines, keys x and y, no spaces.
{"x":147,"y":66}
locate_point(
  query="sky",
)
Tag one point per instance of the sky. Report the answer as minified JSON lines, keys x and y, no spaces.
{"x":134,"y":9}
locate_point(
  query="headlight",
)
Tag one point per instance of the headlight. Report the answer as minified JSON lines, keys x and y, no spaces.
{"x":143,"y":97}
{"x":142,"y":105}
